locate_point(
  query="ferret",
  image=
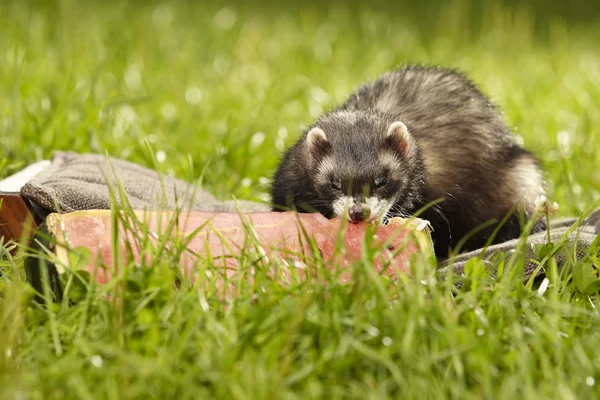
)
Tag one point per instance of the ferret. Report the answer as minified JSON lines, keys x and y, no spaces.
{"x":416,"y":138}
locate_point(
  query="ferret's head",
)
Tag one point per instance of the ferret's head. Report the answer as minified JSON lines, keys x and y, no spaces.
{"x":364,"y":166}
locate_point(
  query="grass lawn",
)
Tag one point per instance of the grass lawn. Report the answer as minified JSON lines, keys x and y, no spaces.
{"x":217,"y":91}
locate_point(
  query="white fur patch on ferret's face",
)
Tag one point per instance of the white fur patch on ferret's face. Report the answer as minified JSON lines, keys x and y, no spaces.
{"x":388,"y":160}
{"x":342,"y":205}
{"x":377,"y":208}
{"x":325,"y":168}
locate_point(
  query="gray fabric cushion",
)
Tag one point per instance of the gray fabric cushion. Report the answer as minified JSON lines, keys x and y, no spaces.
{"x":80,"y":182}
{"x":574,"y":240}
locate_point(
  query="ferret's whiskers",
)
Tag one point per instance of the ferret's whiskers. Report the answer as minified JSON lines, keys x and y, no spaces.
{"x":438,"y":210}
{"x":458,"y":201}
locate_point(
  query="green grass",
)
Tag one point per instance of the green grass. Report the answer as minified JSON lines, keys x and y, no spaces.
{"x":220,"y":91}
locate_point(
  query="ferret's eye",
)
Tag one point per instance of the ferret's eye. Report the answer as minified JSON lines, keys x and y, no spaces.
{"x":381,"y":182}
{"x":336,"y":184}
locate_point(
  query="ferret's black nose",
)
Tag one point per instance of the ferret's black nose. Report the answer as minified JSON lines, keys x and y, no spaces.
{"x":357,"y":215}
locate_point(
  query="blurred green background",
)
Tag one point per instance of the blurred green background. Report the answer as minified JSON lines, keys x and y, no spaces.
{"x":219,"y":89}
{"x":216,"y":91}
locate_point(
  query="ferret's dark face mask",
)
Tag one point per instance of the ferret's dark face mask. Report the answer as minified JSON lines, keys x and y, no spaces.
{"x":360,"y":181}
{"x":369,"y":196}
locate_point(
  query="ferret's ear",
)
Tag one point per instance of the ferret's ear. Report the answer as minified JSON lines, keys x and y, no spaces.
{"x":400,"y":139}
{"x":317,"y":143}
